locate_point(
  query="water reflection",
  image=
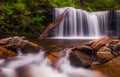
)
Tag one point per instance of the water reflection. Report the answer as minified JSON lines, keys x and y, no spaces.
{"x":58,"y":44}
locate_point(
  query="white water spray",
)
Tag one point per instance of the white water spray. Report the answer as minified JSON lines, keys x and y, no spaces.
{"x":36,"y":65}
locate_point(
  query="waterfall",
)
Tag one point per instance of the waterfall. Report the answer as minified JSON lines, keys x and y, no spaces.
{"x":81,"y":24}
{"x":118,"y":22}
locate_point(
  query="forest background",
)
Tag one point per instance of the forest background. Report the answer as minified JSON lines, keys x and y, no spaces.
{"x":30,"y":17}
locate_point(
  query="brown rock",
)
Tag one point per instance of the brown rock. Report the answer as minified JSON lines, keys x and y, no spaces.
{"x":79,"y":59}
{"x":30,"y":47}
{"x":111,"y":68}
{"x":52,"y":56}
{"x":104,"y":57}
{"x":5,"y":53}
{"x":80,"y":56}
{"x":4,"y":41}
{"x":116,"y":47}
{"x":13,"y":43}
{"x":101,"y":43}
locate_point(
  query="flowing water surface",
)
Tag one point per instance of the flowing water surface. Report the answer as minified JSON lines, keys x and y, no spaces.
{"x":53,"y":44}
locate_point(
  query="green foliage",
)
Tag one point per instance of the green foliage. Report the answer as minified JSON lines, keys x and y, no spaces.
{"x":90,"y":5}
{"x":1,"y":18}
{"x":25,"y":17}
{"x":20,"y":6}
{"x":17,"y":17}
{"x":23,"y":23}
{"x":8,"y":9}
{"x":77,"y":4}
{"x":89,"y":9}
{"x":101,"y":4}
{"x":61,"y":3}
{"x":38,"y":19}
{"x":21,"y":1}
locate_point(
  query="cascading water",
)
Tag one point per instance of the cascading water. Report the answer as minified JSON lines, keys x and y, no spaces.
{"x":37,"y":65}
{"x":118,"y":22}
{"x":81,"y":24}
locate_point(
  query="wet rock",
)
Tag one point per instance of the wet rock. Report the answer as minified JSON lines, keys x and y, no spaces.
{"x":89,"y":43}
{"x":100,"y":43}
{"x":96,"y":51}
{"x":5,"y":53}
{"x":79,"y":59}
{"x":111,"y":68}
{"x":78,"y":56}
{"x":13,"y":43}
{"x":84,"y":49}
{"x":53,"y":58}
{"x":31,"y":47}
{"x":5,"y":41}
{"x":116,"y":46}
{"x":104,"y":57}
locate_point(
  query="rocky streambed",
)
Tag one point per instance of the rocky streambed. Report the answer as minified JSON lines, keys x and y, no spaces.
{"x":101,"y":55}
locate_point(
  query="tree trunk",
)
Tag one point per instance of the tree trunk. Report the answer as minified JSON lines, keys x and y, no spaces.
{"x":53,"y":25}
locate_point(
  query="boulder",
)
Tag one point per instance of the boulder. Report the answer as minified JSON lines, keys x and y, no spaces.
{"x":78,"y":56}
{"x":84,"y":49}
{"x":79,"y":59}
{"x":13,"y":43}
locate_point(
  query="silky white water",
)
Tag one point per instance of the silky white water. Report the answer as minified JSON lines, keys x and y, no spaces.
{"x":36,"y":65}
{"x":81,"y":24}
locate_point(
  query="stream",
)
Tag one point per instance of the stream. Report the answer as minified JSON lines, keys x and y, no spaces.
{"x":58,"y":44}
